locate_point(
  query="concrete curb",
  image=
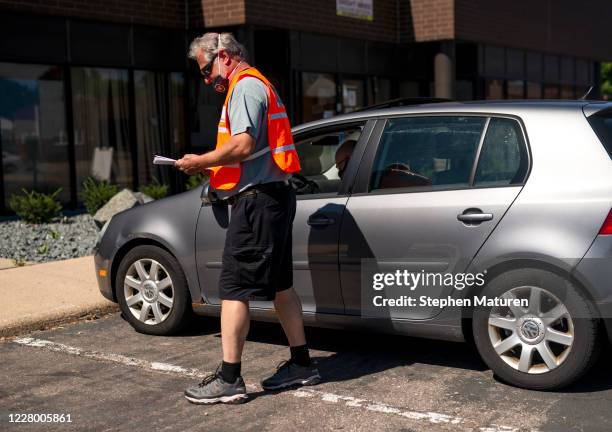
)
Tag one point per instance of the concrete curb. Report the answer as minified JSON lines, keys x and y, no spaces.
{"x":46,"y":322}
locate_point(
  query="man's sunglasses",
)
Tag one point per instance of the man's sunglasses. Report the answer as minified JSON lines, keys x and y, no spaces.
{"x":207,"y":70}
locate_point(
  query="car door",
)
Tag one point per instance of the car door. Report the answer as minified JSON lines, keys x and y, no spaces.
{"x":321,"y":200}
{"x":422,"y":203}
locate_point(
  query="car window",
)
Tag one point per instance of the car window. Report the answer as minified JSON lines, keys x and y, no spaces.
{"x":503,"y":156}
{"x":317,"y":154}
{"x":602,"y":125}
{"x":426,"y":152}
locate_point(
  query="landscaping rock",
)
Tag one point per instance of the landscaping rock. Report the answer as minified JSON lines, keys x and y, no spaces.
{"x":126,"y":199}
{"x":66,"y":237}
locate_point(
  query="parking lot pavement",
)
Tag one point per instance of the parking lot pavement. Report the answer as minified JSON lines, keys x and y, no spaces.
{"x":108,"y":377}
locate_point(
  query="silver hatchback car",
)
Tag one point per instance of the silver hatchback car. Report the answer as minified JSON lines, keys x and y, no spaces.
{"x":516,"y":193}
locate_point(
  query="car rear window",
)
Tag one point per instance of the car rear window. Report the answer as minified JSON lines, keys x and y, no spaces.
{"x":602,"y":125}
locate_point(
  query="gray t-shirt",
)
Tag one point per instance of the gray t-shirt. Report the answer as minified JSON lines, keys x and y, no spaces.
{"x":248,"y":112}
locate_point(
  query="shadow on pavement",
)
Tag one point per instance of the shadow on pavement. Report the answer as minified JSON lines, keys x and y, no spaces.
{"x":357,"y":354}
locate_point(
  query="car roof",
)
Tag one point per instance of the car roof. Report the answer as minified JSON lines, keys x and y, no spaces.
{"x":509,"y":107}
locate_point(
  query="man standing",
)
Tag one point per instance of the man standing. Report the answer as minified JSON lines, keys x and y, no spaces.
{"x":249,"y":168}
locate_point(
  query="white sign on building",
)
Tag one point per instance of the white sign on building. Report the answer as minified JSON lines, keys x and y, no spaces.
{"x":360,"y":9}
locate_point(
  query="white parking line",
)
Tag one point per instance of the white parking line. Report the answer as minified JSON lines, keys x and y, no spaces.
{"x":382,"y":408}
{"x":116,"y":358}
{"x":431,"y":417}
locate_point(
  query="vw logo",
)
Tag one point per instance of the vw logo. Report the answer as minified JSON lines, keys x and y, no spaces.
{"x":530,"y":329}
{"x":149,"y":291}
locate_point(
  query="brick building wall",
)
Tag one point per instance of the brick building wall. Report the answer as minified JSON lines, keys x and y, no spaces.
{"x":163,"y":13}
{"x":224,"y":13}
{"x":556,"y":26}
{"x":429,"y":20}
{"x":316,"y":16}
{"x":195,"y":12}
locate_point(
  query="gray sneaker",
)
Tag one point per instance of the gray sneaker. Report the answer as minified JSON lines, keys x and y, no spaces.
{"x":213,"y":389}
{"x":288,"y":374}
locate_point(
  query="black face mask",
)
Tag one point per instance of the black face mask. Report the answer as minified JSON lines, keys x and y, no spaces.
{"x":220,"y":83}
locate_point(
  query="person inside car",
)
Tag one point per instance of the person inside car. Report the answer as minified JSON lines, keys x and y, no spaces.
{"x":343,"y":154}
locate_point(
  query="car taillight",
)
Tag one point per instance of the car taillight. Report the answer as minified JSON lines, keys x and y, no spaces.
{"x":606,"y":228}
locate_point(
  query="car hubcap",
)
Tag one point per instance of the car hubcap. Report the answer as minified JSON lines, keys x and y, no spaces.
{"x":148,"y":290}
{"x":535,"y":339}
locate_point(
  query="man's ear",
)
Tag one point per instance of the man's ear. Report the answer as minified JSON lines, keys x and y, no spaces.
{"x":223,"y":57}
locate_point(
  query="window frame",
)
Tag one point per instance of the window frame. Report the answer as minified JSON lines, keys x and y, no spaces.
{"x":362,"y":181}
{"x":346,"y":183}
{"x":523,"y":151}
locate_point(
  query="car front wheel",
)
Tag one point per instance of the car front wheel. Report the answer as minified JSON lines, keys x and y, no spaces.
{"x":546,"y":344}
{"x":152,"y":291}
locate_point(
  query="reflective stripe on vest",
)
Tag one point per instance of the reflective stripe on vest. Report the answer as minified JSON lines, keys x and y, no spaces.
{"x":268,"y":149}
{"x":278,"y":116}
{"x":280,"y":139}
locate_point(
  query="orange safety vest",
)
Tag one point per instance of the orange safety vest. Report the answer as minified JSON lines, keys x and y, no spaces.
{"x":280,"y":139}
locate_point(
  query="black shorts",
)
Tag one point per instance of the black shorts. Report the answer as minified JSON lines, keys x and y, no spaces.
{"x":257,"y":259}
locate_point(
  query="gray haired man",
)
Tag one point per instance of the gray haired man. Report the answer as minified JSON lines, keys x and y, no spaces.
{"x":257,"y":263}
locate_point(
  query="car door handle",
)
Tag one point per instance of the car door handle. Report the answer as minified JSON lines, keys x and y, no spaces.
{"x":318,"y":220}
{"x":474,"y":216}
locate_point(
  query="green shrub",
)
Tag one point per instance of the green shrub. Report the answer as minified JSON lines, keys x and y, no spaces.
{"x":97,"y":193}
{"x":195,"y":180}
{"x":155,"y":190}
{"x":43,"y":249}
{"x":35,"y":207}
{"x":19,"y":262}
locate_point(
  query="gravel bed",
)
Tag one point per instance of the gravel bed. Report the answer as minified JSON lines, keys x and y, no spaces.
{"x":66,"y":237}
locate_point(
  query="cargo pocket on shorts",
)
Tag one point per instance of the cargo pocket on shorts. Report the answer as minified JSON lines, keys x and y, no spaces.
{"x":252,"y":265}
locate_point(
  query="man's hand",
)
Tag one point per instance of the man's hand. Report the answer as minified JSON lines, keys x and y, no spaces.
{"x":190,"y":164}
{"x":237,"y":148}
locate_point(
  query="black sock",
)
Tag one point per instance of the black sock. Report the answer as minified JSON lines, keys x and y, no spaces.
{"x":300,"y":356}
{"x":230,"y":371}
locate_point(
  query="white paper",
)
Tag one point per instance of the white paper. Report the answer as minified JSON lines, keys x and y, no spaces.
{"x":162,"y":160}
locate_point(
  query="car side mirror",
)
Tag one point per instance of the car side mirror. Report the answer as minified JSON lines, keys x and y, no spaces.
{"x":209,"y":196}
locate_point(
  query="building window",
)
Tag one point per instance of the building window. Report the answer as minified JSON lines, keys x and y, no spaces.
{"x":177,"y":113}
{"x":319,"y":96}
{"x":409,"y":89}
{"x":551,"y":91}
{"x":379,"y":90}
{"x":352,"y":95}
{"x":494,"y":89}
{"x":494,"y":64}
{"x":567,"y":91}
{"x":534,"y":67}
{"x":101,"y":125}
{"x":33,"y":135}
{"x":534,"y":90}
{"x":464,"y":90}
{"x":159,"y":121}
{"x":515,"y":89}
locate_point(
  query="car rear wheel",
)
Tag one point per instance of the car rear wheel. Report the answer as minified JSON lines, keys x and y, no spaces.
{"x":547,"y":344}
{"x":152,"y":291}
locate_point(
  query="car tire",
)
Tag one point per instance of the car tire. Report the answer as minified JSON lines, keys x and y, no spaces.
{"x":546,"y":346}
{"x":164,"y":306}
